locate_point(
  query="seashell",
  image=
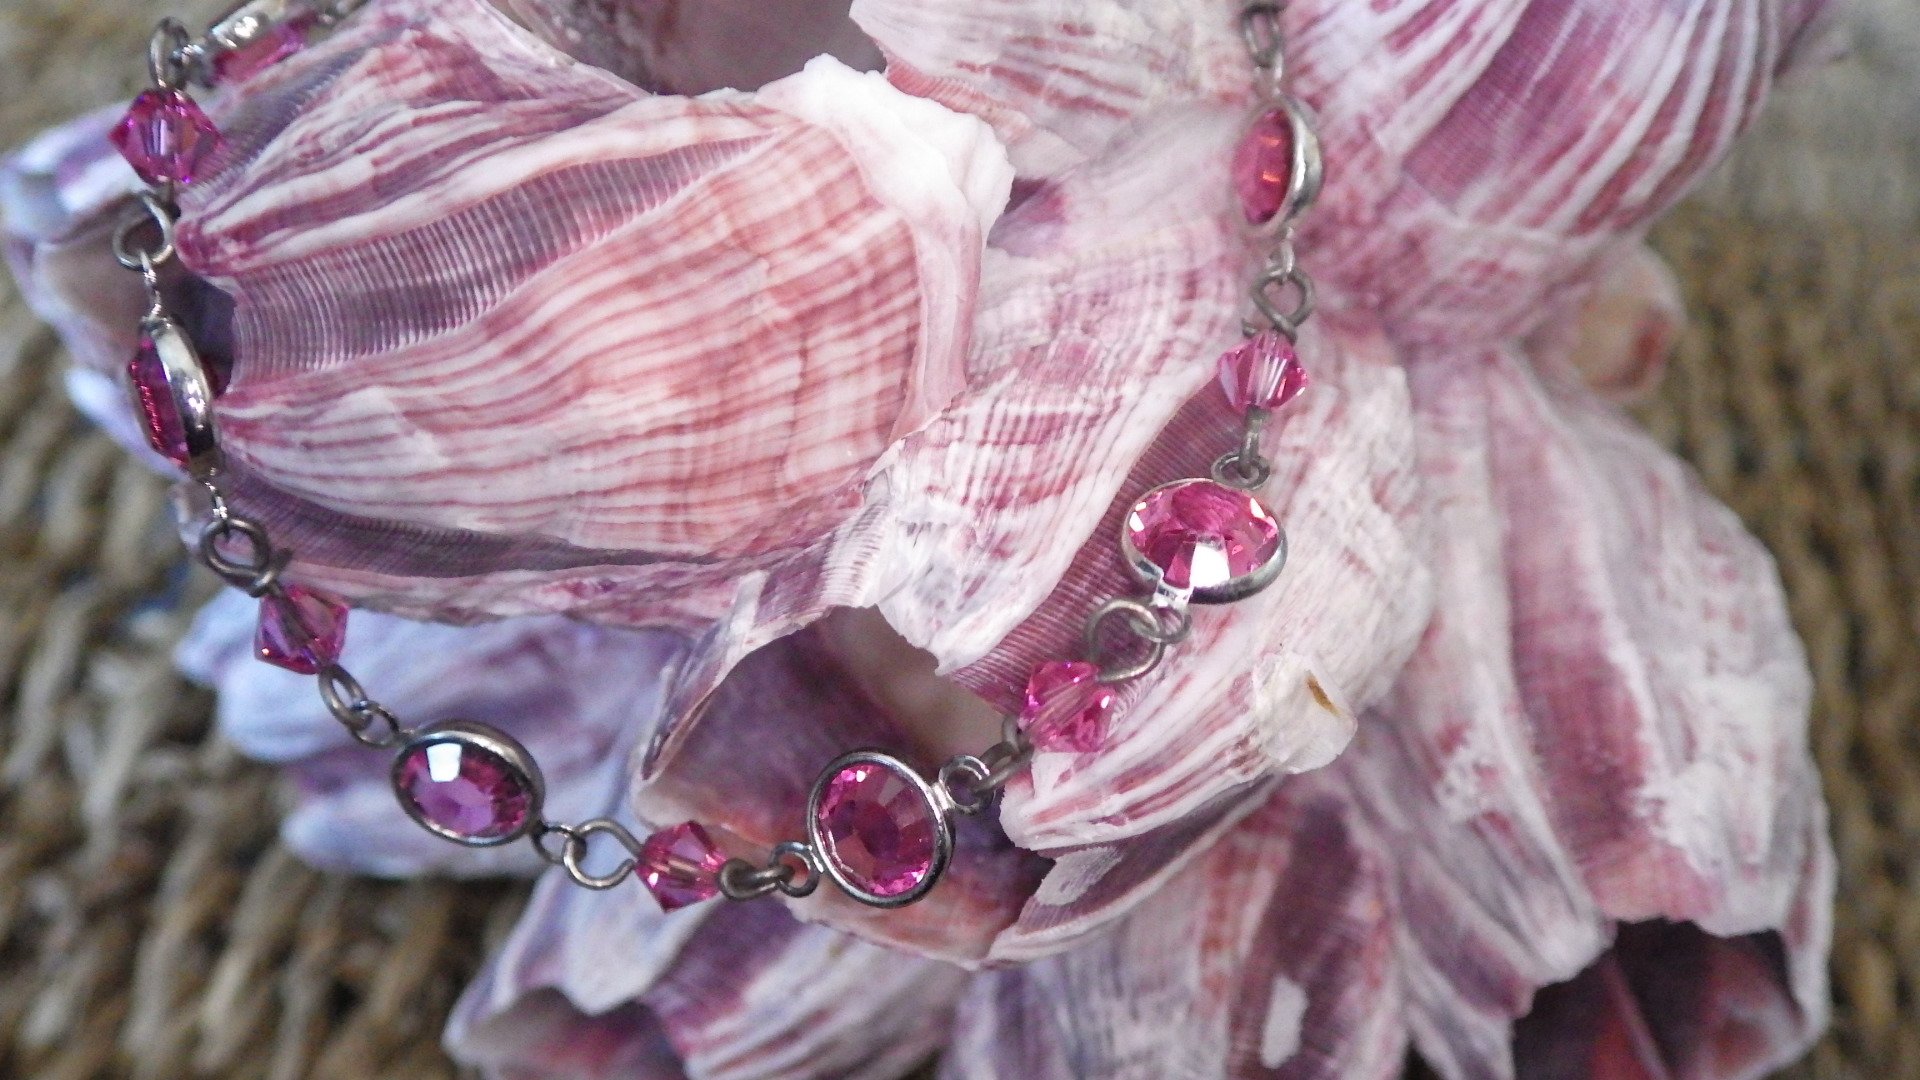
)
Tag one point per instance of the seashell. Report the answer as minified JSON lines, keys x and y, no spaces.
{"x":805,"y":374}
{"x":740,"y":993}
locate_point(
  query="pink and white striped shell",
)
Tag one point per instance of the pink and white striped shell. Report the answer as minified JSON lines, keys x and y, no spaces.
{"x":820,"y":402}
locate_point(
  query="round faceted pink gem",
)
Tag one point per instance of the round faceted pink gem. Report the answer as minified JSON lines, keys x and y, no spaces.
{"x":877,"y":829}
{"x":1264,"y":372}
{"x":1201,"y":534}
{"x":1263,"y":166}
{"x":1067,"y":707}
{"x":165,"y":137}
{"x":467,"y":791}
{"x":300,"y":630}
{"x":680,"y":865}
{"x":153,"y":400}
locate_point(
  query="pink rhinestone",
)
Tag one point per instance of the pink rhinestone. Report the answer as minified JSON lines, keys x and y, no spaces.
{"x":300,"y":630}
{"x":159,"y":417}
{"x":1067,"y":707}
{"x":1202,"y":534}
{"x":877,"y":829}
{"x":1263,"y":373}
{"x":469,"y":792}
{"x":1263,"y":166}
{"x":278,"y":43}
{"x":165,"y":137}
{"x":680,"y":866}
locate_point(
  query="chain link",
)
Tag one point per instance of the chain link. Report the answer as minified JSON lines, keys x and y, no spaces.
{"x":790,"y":870}
{"x":1245,"y":467}
{"x":1279,"y":277}
{"x":1146,"y":622}
{"x":255,"y":567}
{"x":574,"y":848}
{"x":369,"y":722}
{"x":152,"y":210}
{"x":969,"y":780}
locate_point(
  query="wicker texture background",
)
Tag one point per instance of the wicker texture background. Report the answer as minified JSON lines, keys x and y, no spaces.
{"x":151,"y":926}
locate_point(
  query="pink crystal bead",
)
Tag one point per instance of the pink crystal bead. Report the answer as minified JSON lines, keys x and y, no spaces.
{"x":300,"y":630}
{"x":877,"y":829}
{"x":1201,"y":534}
{"x":1067,"y":707}
{"x":279,"y":42}
{"x":1264,"y":372}
{"x":464,"y":791}
{"x":153,"y":401}
{"x":165,"y":137}
{"x":1263,"y":166}
{"x":680,"y":866}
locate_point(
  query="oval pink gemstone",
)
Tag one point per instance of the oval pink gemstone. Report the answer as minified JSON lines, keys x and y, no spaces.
{"x":1201,"y":534}
{"x":1263,"y":166}
{"x":300,"y":630}
{"x":1264,"y":372}
{"x":1067,"y":707}
{"x":465,"y":790}
{"x":165,"y":137}
{"x":153,"y":401}
{"x":680,"y":866}
{"x":877,"y":829}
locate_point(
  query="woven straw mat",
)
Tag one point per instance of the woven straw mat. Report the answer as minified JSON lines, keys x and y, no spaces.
{"x":152,"y":926}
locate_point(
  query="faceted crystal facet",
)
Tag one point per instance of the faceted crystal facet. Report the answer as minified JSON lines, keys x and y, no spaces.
{"x":1067,"y":707}
{"x":276,"y":44}
{"x":465,"y":790}
{"x":153,"y":401}
{"x":1263,"y":166}
{"x":165,"y":137}
{"x":1262,"y":373}
{"x":1202,"y":534}
{"x":877,"y":829}
{"x":680,"y":866}
{"x":300,"y":630}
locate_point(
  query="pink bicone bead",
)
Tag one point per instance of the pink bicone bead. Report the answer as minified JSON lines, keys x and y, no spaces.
{"x":465,"y":790}
{"x":1202,"y":534}
{"x":165,"y":137}
{"x":878,"y":829}
{"x":1263,"y":166}
{"x":1264,"y":372}
{"x":278,"y":43}
{"x":1067,"y":707}
{"x":153,"y":400}
{"x":680,"y":865}
{"x":300,"y":629}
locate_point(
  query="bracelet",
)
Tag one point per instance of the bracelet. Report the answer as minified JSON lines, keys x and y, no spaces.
{"x":880,"y":830}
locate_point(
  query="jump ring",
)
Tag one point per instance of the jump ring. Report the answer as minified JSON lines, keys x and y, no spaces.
{"x":143,"y":260}
{"x":574,"y":852}
{"x":164,"y":46}
{"x":545,"y":829}
{"x":964,"y":779}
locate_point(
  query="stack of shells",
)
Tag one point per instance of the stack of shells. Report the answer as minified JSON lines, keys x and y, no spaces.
{"x":685,"y":434}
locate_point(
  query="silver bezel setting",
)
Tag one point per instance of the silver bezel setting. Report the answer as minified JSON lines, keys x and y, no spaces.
{"x":1226,"y":592}
{"x":191,"y":391}
{"x":490,"y":740}
{"x":938,"y":804}
{"x":1309,"y":168}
